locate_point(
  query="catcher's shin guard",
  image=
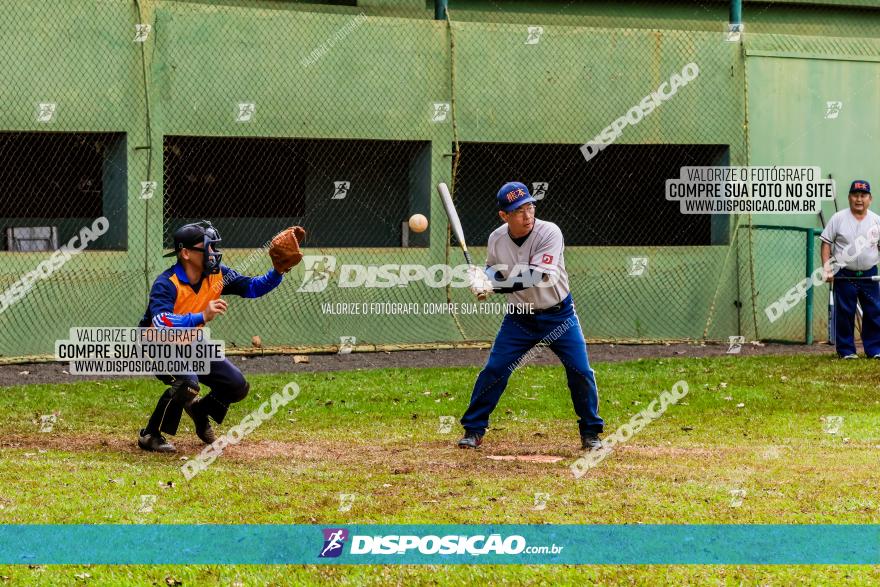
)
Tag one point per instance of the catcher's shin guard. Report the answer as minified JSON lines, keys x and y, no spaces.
{"x":169,"y":410}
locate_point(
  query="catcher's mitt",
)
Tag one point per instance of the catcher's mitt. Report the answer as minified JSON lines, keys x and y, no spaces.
{"x":284,"y":249}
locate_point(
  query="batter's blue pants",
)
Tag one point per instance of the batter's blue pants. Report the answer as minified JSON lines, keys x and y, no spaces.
{"x":227,"y":386}
{"x":519,"y":333}
{"x":846,"y":293}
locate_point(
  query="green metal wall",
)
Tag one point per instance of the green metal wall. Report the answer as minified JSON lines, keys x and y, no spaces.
{"x":380,"y":83}
{"x":790,"y":82}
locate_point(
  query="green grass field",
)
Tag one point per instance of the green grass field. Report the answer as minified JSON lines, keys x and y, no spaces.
{"x":754,"y":424}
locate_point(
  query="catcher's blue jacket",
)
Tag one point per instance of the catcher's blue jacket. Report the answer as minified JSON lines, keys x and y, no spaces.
{"x":175,"y":302}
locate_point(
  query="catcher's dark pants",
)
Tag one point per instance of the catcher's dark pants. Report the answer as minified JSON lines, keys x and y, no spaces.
{"x":227,"y":386}
{"x":846,"y":294}
{"x":519,"y":333}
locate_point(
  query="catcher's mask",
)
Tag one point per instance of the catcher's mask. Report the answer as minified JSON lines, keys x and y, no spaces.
{"x":190,"y":235}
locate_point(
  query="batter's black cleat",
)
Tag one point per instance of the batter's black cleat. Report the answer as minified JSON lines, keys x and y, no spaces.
{"x":471,"y":440}
{"x":154,"y":442}
{"x":590,"y":442}
{"x":203,"y":426}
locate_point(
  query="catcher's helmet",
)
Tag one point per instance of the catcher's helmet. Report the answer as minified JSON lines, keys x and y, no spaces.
{"x":189,"y":235}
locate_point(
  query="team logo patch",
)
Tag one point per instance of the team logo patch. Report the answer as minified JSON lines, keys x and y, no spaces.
{"x":334,"y":540}
{"x":547,"y":259}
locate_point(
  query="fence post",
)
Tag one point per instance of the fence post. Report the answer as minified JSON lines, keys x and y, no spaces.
{"x":808,"y":324}
{"x":735,"y":11}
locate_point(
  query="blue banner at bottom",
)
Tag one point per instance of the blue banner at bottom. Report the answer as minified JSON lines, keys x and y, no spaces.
{"x":440,"y":544}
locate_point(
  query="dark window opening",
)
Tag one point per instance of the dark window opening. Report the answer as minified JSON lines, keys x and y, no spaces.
{"x":617,"y":198}
{"x":346,"y":193}
{"x":61,"y":182}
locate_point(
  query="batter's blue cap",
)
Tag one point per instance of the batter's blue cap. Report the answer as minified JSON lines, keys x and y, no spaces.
{"x":512,"y":195}
{"x":860,"y":185}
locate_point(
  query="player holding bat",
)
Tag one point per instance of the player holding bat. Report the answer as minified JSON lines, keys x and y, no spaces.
{"x":853,"y":282}
{"x":525,"y":261}
{"x":187,"y":295}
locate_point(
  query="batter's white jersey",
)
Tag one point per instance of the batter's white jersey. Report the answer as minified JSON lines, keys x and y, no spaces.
{"x":542,"y":250}
{"x":841,"y":233}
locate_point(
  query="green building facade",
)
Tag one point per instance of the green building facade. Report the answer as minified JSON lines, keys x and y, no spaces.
{"x":343,"y":117}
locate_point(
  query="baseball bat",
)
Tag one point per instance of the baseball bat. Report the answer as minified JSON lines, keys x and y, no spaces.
{"x":832,"y":327}
{"x":452,"y":214}
{"x":863,"y":278}
{"x":834,"y":187}
{"x":859,"y":316}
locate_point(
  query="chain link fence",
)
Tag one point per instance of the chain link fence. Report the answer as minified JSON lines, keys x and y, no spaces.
{"x":773,"y":261}
{"x":343,"y":117}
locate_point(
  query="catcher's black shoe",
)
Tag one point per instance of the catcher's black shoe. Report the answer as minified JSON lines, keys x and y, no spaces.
{"x":203,"y":426}
{"x":154,"y":442}
{"x":471,"y":440}
{"x":590,"y":442}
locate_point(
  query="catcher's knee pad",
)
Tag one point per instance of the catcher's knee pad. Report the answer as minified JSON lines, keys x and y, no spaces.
{"x":184,"y":390}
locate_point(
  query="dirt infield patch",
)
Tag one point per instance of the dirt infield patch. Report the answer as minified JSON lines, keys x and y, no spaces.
{"x":526,"y":458}
{"x":409,"y":462}
{"x":323,"y":450}
{"x":30,"y":373}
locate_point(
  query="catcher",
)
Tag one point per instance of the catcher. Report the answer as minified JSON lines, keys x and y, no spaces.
{"x":188,"y":295}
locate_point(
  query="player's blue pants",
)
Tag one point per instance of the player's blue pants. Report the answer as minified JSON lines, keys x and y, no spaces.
{"x":227,"y":386}
{"x":518,"y":334}
{"x":846,"y":293}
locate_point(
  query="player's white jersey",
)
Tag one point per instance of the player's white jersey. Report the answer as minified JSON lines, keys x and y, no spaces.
{"x":842,"y":232}
{"x":542,"y":250}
